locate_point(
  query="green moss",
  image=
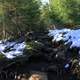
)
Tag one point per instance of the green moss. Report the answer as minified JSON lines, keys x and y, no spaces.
{"x":29,"y":46}
{"x":1,"y":56}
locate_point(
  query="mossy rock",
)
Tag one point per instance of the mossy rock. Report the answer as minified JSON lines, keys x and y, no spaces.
{"x":2,"y":56}
{"x":34,"y":45}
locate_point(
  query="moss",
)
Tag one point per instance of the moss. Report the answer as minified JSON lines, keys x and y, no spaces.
{"x":1,"y":56}
{"x":33,"y":45}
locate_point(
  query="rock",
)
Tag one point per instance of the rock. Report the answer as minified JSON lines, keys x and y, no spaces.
{"x":38,"y":76}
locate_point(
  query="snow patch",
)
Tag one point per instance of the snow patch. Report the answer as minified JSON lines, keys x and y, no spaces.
{"x":12,"y":49}
{"x":66,"y":66}
{"x":66,"y":35}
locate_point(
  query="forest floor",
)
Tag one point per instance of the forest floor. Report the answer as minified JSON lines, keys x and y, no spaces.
{"x":41,"y":65}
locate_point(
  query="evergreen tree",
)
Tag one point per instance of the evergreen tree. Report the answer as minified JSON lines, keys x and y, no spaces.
{"x":20,"y":16}
{"x":65,"y":11}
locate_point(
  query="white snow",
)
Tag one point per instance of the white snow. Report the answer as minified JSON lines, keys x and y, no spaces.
{"x":16,"y":49}
{"x":2,"y":47}
{"x":66,"y":66}
{"x":66,"y":35}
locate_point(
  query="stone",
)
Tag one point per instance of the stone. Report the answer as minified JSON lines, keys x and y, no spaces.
{"x":38,"y":76}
